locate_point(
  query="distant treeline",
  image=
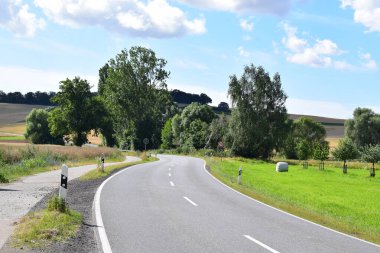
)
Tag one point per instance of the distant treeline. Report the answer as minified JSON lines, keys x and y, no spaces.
{"x":188,"y":98}
{"x":33,"y":98}
{"x":44,"y":98}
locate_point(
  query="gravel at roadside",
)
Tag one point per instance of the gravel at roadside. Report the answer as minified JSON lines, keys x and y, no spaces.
{"x":80,"y":198}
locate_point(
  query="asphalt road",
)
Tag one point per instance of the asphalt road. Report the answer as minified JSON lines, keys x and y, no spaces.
{"x":174,"y":205}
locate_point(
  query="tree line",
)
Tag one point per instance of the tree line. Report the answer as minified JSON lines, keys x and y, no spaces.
{"x":33,"y":98}
{"x":133,"y":107}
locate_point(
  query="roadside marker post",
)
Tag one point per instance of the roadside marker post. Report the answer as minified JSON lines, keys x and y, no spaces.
{"x":102,"y":163}
{"x":64,"y":179}
{"x":239,"y":175}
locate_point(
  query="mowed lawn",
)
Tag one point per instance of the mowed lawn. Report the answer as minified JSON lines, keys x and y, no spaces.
{"x":349,"y":203}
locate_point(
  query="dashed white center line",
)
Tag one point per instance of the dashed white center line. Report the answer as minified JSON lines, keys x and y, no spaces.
{"x":261,"y":244}
{"x":190,"y":201}
{"x":170,"y":169}
{"x":170,"y":174}
{"x":172,"y":184}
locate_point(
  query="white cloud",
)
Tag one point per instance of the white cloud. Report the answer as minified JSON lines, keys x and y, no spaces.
{"x":16,"y":17}
{"x":191,"y":65}
{"x":243,"y":52}
{"x":246,"y":25}
{"x":367,"y":62}
{"x":244,"y":6}
{"x":366,"y":12}
{"x":317,"y":55}
{"x":24,"y":79}
{"x":156,"y":18}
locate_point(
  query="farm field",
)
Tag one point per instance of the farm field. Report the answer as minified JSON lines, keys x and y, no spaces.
{"x":348,"y":203}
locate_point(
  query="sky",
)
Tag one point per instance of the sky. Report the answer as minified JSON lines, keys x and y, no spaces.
{"x":326,"y":51}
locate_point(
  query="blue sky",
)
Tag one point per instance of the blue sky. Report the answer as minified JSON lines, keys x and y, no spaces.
{"x":326,"y":51}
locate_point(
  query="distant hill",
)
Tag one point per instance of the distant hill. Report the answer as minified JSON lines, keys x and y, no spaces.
{"x":15,"y":113}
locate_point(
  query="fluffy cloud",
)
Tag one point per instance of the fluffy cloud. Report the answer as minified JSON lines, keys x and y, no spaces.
{"x":366,"y":12}
{"x":243,"y":6}
{"x":246,"y":25}
{"x":156,"y":18}
{"x":367,"y":62}
{"x":317,"y":55}
{"x":15,"y":17}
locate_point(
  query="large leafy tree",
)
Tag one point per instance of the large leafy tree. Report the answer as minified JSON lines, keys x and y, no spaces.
{"x":364,"y":128}
{"x":191,"y":128}
{"x":75,"y":114}
{"x":304,"y":129}
{"x":37,"y":128}
{"x":259,"y":115}
{"x":135,"y":91}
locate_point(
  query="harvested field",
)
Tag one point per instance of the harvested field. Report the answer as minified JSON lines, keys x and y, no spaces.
{"x":11,"y":114}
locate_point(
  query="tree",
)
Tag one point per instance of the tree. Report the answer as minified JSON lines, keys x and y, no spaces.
{"x":364,"y":128}
{"x":75,"y":114}
{"x":218,"y":130}
{"x":223,"y":106}
{"x":37,"y":128}
{"x":371,"y":154}
{"x":303,"y":129}
{"x":304,"y":151}
{"x":259,"y":115}
{"x":167,"y":135}
{"x":321,"y":153}
{"x":346,"y":150}
{"x":135,"y":93}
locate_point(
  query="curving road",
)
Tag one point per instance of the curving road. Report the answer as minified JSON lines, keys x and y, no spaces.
{"x":174,"y":205}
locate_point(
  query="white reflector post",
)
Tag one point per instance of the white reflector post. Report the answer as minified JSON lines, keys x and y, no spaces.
{"x":64,"y":180}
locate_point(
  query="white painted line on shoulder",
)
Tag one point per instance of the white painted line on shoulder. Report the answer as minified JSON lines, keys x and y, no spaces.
{"x":172,"y":184}
{"x":261,"y":244}
{"x":170,"y":174}
{"x":190,"y":201}
{"x":281,"y":211}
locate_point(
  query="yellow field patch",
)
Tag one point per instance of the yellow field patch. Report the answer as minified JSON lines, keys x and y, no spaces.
{"x":18,"y":129}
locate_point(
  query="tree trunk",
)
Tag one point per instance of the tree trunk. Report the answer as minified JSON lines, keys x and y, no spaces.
{"x":344,"y":167}
{"x":372,"y":171}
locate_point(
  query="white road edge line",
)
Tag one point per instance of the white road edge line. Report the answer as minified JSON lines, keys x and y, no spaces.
{"x":172,"y":184}
{"x":98,"y":217}
{"x":170,"y":174}
{"x":261,"y":244}
{"x":292,"y":215}
{"x":191,"y":202}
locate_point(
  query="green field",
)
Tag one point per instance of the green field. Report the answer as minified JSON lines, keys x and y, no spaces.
{"x":12,"y":138}
{"x":349,"y":203}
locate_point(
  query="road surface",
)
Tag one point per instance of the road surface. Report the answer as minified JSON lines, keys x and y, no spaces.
{"x":175,"y":205}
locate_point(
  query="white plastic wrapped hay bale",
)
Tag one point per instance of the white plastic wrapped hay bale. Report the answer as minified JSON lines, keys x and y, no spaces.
{"x":282,"y":167}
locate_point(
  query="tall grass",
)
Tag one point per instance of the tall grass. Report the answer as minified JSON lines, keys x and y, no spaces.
{"x":18,"y":161}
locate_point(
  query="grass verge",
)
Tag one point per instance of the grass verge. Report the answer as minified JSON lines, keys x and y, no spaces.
{"x":96,"y":174}
{"x":12,"y":138}
{"x":348,"y":203}
{"x":39,"y":229}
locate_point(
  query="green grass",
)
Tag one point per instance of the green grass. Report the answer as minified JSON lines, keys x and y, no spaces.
{"x":12,"y":138}
{"x":39,"y":229}
{"x":349,"y":203}
{"x":96,"y":174}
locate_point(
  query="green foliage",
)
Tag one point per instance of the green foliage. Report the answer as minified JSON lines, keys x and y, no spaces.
{"x":218,"y":131}
{"x":371,"y":154}
{"x":167,"y":135}
{"x":75,"y":114}
{"x":304,"y":150}
{"x":58,"y":204}
{"x":259,"y":118}
{"x":37,"y":128}
{"x":191,"y":128}
{"x":346,"y":150}
{"x":135,"y":93}
{"x":305,"y":133}
{"x":364,"y":128}
{"x":321,"y":151}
